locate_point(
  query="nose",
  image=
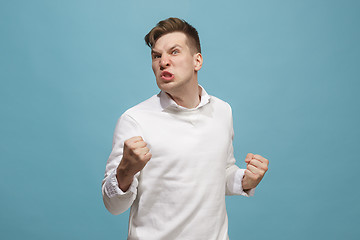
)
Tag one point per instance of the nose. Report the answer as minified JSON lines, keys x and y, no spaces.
{"x":164,"y":61}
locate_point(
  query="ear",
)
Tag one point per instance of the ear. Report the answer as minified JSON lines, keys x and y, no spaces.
{"x":198,"y":60}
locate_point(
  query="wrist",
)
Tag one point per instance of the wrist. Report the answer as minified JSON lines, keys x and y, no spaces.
{"x":245,"y":184}
{"x":124,"y":179}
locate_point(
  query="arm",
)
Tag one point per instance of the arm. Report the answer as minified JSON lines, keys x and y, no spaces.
{"x":244,"y":181}
{"x":234,"y":174}
{"x":119,"y":186}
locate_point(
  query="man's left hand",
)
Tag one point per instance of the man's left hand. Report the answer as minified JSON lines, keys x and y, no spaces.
{"x":255,"y":170}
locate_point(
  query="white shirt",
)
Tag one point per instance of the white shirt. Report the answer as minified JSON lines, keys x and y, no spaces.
{"x":180,"y":193}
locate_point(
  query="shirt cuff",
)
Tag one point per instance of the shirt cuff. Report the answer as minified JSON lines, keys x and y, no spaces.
{"x":112,"y":188}
{"x":238,"y":176}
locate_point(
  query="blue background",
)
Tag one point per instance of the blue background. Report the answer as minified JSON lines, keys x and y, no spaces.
{"x":289,"y":69}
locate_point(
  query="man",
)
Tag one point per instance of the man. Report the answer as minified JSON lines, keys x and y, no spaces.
{"x":172,"y":159}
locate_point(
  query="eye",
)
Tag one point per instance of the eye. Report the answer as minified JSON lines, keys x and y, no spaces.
{"x":174,"y":52}
{"x":155,"y":56}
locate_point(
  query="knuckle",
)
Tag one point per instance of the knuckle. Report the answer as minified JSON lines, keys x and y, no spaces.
{"x":148,"y":155}
{"x":253,"y":177}
{"x":136,"y":152}
{"x":257,"y":156}
{"x":126,"y":143}
{"x":144,"y":159}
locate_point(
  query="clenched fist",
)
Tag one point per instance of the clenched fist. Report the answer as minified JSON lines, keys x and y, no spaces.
{"x":135,"y":156}
{"x":255,"y":170}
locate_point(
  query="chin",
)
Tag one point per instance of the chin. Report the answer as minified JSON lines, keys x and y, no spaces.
{"x":166,"y":86}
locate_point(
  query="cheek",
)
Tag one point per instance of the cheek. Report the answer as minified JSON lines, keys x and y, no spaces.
{"x":185,"y":63}
{"x":153,"y":67}
{"x":188,"y":66}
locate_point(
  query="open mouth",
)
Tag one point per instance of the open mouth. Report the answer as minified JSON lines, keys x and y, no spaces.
{"x":167,"y":75}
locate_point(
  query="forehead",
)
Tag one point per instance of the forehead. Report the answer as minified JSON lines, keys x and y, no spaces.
{"x":169,"y":40}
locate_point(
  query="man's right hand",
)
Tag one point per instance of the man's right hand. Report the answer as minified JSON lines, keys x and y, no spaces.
{"x":135,"y":156}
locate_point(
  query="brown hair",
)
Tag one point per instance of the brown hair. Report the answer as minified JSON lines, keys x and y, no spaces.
{"x":174,"y":25}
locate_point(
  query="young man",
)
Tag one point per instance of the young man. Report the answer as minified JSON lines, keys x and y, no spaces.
{"x":172,"y":159}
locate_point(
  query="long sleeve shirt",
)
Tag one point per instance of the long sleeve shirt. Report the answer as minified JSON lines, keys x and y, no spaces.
{"x":180,"y":193}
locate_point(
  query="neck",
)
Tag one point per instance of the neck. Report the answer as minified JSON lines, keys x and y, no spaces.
{"x":188,"y":98}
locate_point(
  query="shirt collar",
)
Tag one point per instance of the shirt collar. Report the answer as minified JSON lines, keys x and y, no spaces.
{"x":167,"y":102}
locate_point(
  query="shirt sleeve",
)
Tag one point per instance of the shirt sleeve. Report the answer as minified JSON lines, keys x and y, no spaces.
{"x":234,"y":174}
{"x":115,"y":200}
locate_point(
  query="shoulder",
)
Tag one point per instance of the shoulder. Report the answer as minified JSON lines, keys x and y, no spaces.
{"x":129,"y":119}
{"x":142,"y":109}
{"x":221,"y":104}
{"x":150,"y":104}
{"x":222,"y":112}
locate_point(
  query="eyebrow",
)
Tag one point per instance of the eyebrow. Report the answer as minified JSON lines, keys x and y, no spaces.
{"x":154,"y":52}
{"x":175,"y":46}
